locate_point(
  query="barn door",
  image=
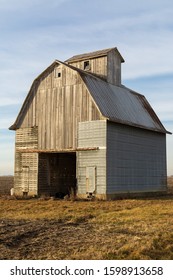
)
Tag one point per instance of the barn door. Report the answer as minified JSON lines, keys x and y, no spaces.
{"x":25,"y":179}
{"x":90,"y":179}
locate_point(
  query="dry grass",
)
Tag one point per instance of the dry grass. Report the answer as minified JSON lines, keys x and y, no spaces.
{"x":122,"y":229}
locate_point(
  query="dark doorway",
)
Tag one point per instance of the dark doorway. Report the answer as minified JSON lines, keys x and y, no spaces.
{"x":57,"y":174}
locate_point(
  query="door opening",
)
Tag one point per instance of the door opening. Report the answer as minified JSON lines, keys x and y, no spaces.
{"x":57,"y":174}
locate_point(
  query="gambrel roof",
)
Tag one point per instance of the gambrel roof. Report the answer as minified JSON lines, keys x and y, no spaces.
{"x":116,"y":103}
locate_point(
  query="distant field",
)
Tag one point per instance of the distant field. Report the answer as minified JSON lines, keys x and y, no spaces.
{"x":170,"y":184}
{"x":58,"y":229}
{"x":6,"y":183}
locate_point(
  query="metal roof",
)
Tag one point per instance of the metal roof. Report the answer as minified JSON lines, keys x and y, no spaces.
{"x":93,"y":54}
{"x":116,"y":103}
{"x":122,"y":105}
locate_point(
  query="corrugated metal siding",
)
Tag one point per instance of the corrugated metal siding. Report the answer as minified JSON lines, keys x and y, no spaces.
{"x":92,"y":134}
{"x":122,"y":105}
{"x":136,"y":160}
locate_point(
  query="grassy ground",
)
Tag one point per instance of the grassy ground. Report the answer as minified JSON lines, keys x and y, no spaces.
{"x":54,"y":229}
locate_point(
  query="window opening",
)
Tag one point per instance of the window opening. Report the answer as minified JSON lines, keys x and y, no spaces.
{"x":87,"y":65}
{"x":57,"y":73}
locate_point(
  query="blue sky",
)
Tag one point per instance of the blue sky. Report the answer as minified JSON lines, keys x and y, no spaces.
{"x":33,"y":33}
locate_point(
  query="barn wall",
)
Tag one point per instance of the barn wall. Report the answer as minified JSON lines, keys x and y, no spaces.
{"x":114,"y":68}
{"x":136,"y":160}
{"x":26,"y":164}
{"x":107,"y":67}
{"x":98,"y":65}
{"x":56,"y":105}
{"x":91,"y":165}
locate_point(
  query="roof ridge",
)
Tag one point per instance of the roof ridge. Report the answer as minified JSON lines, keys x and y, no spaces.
{"x":92,"y":54}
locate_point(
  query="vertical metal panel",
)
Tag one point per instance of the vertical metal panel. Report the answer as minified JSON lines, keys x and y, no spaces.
{"x":90,"y":179}
{"x":136,"y":160}
{"x":92,"y":134}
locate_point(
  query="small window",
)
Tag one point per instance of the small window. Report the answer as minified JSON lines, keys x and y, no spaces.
{"x":57,"y":73}
{"x":87,"y":65}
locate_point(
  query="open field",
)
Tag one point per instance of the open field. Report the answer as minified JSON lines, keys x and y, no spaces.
{"x":170,"y":184}
{"x":6,"y":183}
{"x":58,"y":229}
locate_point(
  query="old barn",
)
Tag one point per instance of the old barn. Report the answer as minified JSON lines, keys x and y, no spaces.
{"x":80,"y":129}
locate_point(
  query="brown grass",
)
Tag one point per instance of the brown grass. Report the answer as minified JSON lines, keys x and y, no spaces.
{"x":54,"y":229}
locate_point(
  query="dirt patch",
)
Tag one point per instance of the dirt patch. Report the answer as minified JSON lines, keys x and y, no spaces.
{"x":45,"y":239}
{"x":57,"y":229}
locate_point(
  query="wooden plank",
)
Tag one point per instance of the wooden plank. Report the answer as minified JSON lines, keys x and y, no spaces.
{"x":25,"y":150}
{"x":26,"y":164}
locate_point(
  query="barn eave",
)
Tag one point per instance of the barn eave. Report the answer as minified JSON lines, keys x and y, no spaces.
{"x":108,"y":99}
{"x":90,"y":55}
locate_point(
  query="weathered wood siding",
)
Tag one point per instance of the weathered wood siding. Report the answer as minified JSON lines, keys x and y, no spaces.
{"x":92,"y":134}
{"x":97,"y":65}
{"x":114,"y":68}
{"x":56,"y":105}
{"x":107,"y":67}
{"x":136,"y":160}
{"x":26,"y":138}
